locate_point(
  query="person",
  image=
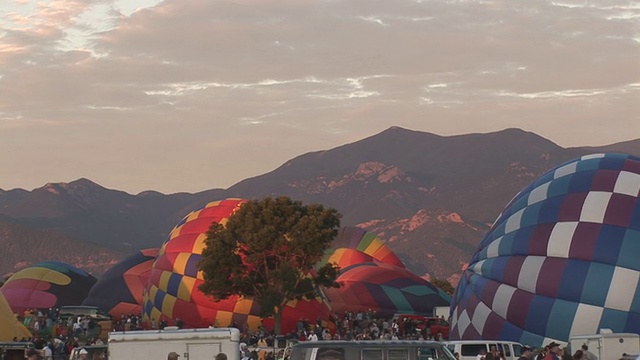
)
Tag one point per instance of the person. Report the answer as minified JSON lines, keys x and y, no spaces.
{"x":525,"y":353}
{"x":555,"y":353}
{"x":586,"y":354}
{"x":221,"y":356}
{"x":493,"y":353}
{"x":262,"y":342}
{"x":456,"y":355}
{"x":83,"y":354}
{"x":543,"y":353}
{"x":32,"y":354}
{"x":578,"y":355}
{"x":173,"y":356}
{"x":482,"y":354}
{"x":244,"y":350}
{"x":48,"y":352}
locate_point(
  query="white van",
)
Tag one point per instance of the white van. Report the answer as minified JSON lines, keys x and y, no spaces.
{"x":469,"y":349}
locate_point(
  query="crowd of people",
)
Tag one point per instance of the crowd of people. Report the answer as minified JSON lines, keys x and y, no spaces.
{"x":552,"y":351}
{"x":362,"y":325}
{"x":55,"y":337}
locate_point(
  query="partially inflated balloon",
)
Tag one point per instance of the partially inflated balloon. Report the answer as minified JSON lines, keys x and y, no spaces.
{"x":373,"y":277}
{"x":386,"y":290}
{"x":561,"y":259}
{"x":47,"y":284}
{"x":119,"y":291}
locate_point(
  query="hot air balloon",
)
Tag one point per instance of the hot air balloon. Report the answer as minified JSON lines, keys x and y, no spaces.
{"x":172,"y":292}
{"x":10,"y":327}
{"x":119,"y":290}
{"x":47,"y":284}
{"x":363,"y":242}
{"x":386,"y":290}
{"x":560,"y":260}
{"x":373,"y":277}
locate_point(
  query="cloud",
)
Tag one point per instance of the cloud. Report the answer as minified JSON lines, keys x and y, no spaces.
{"x":174,"y":84}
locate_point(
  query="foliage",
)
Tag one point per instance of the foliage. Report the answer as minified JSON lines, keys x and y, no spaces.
{"x":267,"y":250}
{"x":443,"y":285}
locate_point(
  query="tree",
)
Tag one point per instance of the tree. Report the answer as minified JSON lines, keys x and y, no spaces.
{"x":267,"y":250}
{"x":443,"y":285}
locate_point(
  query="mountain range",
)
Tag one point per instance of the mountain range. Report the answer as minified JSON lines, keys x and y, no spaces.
{"x":430,"y":197}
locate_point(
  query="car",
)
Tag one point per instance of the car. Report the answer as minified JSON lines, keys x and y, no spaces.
{"x":15,"y":350}
{"x":630,"y":357}
{"x":428,"y":326}
{"x":93,"y":312}
{"x":103,"y":321}
{"x":469,"y":349}
{"x":370,"y":349}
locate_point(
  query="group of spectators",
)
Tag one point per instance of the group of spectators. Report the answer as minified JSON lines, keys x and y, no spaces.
{"x":56,"y":337}
{"x":61,"y":335}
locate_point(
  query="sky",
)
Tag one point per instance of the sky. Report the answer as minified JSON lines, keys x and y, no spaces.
{"x":185,"y":96}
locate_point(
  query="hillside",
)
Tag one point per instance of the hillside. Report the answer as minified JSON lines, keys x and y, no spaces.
{"x":25,"y":247}
{"x":431,"y":197}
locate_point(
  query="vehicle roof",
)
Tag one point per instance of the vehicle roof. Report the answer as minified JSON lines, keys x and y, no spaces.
{"x":603,"y":335}
{"x":630,"y":357}
{"x":481,"y":342}
{"x":16,"y":345}
{"x":85,"y":307}
{"x":358,"y":343}
{"x":416,"y":315}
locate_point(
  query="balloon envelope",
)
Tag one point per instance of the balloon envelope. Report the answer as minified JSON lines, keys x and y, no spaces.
{"x":10,"y":327}
{"x":119,"y":290}
{"x":561,"y":259}
{"x":47,"y":284}
{"x":172,"y":292}
{"x":373,"y":277}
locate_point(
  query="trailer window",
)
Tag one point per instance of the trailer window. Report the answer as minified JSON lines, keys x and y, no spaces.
{"x":371,"y":354}
{"x":330,"y":354}
{"x":398,"y":354}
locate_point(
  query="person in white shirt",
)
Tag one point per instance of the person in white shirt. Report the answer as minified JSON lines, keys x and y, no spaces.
{"x":47,"y":352}
{"x":482,"y":354}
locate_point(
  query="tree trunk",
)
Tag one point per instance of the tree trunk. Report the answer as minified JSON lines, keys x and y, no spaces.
{"x":278,"y":321}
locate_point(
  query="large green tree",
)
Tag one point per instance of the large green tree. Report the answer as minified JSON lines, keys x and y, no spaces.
{"x":444,"y":285}
{"x":267,"y":250}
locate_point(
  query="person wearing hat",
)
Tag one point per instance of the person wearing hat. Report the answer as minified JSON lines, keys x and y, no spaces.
{"x":555,"y":353}
{"x":525,"y":353}
{"x":173,"y":356}
{"x":542,"y":354}
{"x":83,"y":354}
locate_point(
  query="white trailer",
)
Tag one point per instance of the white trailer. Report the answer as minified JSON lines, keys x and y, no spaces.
{"x":190,"y":344}
{"x":607,"y":345}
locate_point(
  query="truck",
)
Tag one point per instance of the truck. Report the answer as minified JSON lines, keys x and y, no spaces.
{"x":190,"y":344}
{"x":441,"y":311}
{"x":607,"y":345}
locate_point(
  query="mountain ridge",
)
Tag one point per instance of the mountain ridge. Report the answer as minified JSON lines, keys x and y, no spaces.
{"x":383,"y":182}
